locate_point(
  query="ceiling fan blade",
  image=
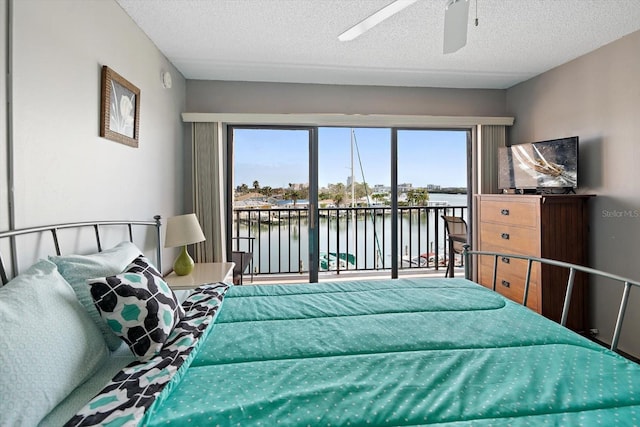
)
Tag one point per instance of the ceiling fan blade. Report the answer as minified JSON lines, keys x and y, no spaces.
{"x":456,"y":18}
{"x":373,"y":20}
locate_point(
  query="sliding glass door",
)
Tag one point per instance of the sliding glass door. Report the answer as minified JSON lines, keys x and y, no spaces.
{"x":272,"y":197}
{"x":354,"y":177}
{"x":314,"y":203}
{"x":432,"y":174}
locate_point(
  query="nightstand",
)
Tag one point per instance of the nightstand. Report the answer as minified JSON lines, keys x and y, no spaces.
{"x":205,"y":272}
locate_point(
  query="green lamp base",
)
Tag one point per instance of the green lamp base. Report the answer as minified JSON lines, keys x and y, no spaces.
{"x":183,"y":264}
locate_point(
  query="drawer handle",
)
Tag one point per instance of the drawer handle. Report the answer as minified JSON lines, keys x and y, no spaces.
{"x":506,"y":260}
{"x":505,"y":236}
{"x":506,"y":284}
{"x":505,"y":212}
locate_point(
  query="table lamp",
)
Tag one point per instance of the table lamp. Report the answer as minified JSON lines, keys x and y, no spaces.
{"x":183,"y":230}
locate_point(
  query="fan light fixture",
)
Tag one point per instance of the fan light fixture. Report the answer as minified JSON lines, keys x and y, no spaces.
{"x":456,"y":17}
{"x":373,"y":20}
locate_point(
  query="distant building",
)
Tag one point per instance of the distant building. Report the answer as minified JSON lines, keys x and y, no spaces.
{"x":434,"y":187}
{"x":403,"y":188}
{"x":298,"y":186}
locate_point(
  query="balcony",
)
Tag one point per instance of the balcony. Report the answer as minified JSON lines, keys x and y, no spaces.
{"x":351,"y":240}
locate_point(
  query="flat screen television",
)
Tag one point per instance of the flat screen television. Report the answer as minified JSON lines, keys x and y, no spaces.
{"x":543,"y":165}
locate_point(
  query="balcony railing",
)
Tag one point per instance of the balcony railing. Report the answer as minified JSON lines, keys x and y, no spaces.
{"x":350,"y":238}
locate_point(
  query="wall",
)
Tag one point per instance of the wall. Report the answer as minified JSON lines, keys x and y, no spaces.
{"x":4,"y":190}
{"x":245,"y":97}
{"x":63,"y":170}
{"x":597,"y":97}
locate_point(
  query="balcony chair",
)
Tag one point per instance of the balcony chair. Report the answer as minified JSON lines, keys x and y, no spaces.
{"x":457,"y":234}
{"x":242,"y":259}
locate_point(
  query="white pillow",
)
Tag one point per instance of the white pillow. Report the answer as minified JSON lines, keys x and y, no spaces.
{"x":77,"y":269}
{"x":48,"y":344}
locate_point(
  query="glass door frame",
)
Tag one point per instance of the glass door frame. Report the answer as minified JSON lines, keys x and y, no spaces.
{"x":313,"y":246}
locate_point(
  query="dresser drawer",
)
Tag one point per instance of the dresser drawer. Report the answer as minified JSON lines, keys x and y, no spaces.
{"x":510,"y":279}
{"x":509,"y":239}
{"x":549,"y":226}
{"x":522,"y":213}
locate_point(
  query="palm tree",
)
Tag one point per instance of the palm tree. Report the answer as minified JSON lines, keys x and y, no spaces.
{"x":422,"y":196}
{"x":379,"y":197}
{"x":361,"y":189}
{"x":418,"y":196}
{"x":293,"y":195}
{"x":256,"y":185}
{"x":338,"y":192}
{"x":267,"y":191}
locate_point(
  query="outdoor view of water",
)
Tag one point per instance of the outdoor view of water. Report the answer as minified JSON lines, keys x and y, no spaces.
{"x":283,"y":247}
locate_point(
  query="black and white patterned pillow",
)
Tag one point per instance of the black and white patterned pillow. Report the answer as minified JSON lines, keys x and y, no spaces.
{"x":138,"y":306}
{"x":142,"y":265}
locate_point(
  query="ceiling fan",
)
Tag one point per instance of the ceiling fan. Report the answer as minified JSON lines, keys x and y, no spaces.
{"x":456,"y":17}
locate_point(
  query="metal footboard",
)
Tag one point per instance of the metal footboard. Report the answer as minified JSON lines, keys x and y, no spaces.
{"x":573,"y":268}
{"x":96,"y":225}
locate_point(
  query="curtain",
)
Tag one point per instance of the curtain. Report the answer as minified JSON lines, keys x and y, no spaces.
{"x":208,"y":166}
{"x":490,"y":138}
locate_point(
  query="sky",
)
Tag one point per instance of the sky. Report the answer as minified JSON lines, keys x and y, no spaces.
{"x":276,"y":157}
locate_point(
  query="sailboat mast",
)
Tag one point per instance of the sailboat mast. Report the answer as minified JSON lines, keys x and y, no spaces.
{"x":353,"y":193}
{"x":354,"y":144}
{"x":353,"y":188}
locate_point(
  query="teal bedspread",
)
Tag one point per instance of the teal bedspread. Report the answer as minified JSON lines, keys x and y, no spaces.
{"x":395,"y":353}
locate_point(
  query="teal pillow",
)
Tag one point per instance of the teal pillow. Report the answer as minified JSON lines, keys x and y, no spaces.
{"x":77,"y":269}
{"x":48,"y":344}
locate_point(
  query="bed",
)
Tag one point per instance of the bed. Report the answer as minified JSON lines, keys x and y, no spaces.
{"x":421,"y":351}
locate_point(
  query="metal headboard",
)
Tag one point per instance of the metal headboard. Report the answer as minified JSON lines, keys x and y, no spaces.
{"x":573,"y":268}
{"x":96,"y":226}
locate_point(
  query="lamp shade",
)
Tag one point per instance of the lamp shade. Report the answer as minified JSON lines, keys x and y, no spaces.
{"x":183,"y":230}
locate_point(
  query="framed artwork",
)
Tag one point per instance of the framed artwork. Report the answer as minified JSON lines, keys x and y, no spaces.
{"x":119,"y":108}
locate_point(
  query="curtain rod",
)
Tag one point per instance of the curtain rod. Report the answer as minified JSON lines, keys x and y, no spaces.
{"x":358,"y":120}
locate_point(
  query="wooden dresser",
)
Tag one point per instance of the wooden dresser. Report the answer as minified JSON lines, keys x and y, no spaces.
{"x":545,"y":226}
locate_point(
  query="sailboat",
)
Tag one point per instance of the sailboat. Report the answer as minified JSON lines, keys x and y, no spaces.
{"x":344,"y":260}
{"x":332,"y":261}
{"x":378,"y":251}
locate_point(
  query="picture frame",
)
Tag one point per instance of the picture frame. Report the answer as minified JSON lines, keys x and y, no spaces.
{"x":119,"y":108}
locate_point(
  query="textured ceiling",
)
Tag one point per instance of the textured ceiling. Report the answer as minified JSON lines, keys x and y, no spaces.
{"x":296,"y":40}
